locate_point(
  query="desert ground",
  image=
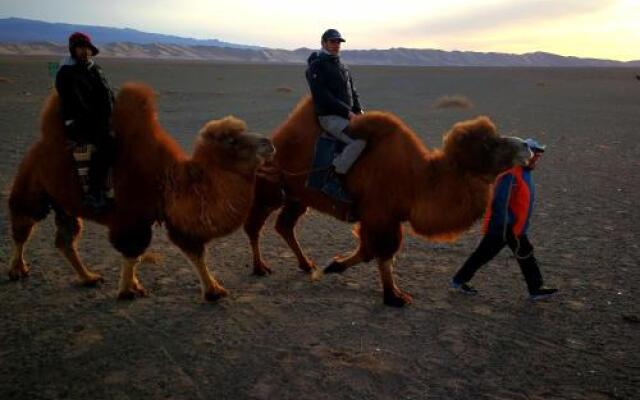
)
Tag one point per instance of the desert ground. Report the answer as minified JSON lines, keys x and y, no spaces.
{"x":286,"y":337}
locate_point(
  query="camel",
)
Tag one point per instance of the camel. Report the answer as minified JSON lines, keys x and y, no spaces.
{"x":197,"y":198}
{"x":440,"y":193}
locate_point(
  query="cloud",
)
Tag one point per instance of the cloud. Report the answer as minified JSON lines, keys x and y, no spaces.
{"x":505,"y":14}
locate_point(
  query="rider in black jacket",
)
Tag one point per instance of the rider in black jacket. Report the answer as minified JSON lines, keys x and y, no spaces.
{"x":87,"y":103}
{"x":331,"y":84}
{"x":335,"y":102}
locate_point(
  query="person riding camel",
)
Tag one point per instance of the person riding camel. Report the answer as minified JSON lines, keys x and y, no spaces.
{"x":87,"y":104}
{"x":336,"y":102}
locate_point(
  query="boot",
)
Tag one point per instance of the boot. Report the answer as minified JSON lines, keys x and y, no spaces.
{"x":334,"y":188}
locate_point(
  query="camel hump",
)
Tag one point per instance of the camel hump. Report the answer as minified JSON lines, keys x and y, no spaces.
{"x":376,"y":125}
{"x":51,"y":124}
{"x":135,"y":103}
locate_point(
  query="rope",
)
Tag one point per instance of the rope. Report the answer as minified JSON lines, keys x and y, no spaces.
{"x":309,"y":171}
{"x":516,"y":252}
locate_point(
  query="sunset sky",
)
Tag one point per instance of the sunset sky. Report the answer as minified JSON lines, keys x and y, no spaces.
{"x":585,"y":28}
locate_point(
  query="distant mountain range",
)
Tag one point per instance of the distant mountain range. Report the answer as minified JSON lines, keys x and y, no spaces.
{"x":20,"y":30}
{"x":28,"y":37}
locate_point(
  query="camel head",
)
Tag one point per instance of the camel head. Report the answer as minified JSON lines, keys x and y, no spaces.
{"x":475,"y":146}
{"x":226,"y":144}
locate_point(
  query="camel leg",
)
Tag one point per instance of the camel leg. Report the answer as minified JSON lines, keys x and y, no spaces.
{"x":252,"y":227}
{"x":21,"y":229}
{"x":67,"y":234}
{"x":129,"y":287}
{"x":393,"y":295}
{"x":131,"y":241}
{"x":285,"y":226}
{"x":26,"y":209}
{"x":28,"y":204}
{"x":136,"y":286}
{"x":212,"y":290}
{"x":18,"y":268}
{"x":341,"y":264}
{"x":193,"y":249}
{"x":268,"y":197}
{"x":381,"y":240}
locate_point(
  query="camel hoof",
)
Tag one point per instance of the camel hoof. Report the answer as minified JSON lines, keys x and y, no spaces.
{"x":152,"y":258}
{"x":92,"y":280}
{"x":335,"y":268}
{"x":18,"y":273}
{"x":126,"y":295}
{"x":307,"y":266}
{"x":397,"y":299}
{"x":317,"y":274}
{"x":215,"y":295}
{"x":131,"y":294}
{"x":140,"y":291}
{"x":261,"y":269}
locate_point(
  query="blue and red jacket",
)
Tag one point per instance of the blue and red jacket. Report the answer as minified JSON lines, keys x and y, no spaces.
{"x":511,"y":203}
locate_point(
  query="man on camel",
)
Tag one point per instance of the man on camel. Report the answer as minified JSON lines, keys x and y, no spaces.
{"x":87,"y":103}
{"x":335,"y":102}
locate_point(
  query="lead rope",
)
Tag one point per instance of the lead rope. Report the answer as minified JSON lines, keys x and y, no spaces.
{"x":505,"y":225}
{"x":309,"y":171}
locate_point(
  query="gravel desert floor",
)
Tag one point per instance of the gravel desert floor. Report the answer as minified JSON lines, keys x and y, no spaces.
{"x":286,"y":337}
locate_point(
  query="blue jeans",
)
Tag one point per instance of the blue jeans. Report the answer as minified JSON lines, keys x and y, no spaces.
{"x":335,"y":126}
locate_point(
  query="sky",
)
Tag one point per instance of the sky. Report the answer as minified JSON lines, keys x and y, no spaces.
{"x":584,"y":28}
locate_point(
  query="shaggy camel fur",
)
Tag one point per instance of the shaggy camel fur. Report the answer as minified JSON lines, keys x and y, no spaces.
{"x":198,"y":198}
{"x":397,"y":179}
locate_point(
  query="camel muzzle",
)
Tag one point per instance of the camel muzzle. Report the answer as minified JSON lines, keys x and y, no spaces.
{"x":265,"y":148}
{"x":522,"y":151}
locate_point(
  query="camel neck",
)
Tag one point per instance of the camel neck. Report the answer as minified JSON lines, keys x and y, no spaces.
{"x":448,"y":201}
{"x":219,"y":199}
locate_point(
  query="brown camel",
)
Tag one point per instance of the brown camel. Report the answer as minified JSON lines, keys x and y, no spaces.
{"x":199,"y":198}
{"x":441,"y":193}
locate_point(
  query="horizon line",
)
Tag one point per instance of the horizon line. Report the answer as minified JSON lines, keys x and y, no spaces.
{"x":305,"y":47}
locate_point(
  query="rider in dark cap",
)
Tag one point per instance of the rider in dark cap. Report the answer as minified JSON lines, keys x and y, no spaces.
{"x":335,"y":99}
{"x":87,"y":103}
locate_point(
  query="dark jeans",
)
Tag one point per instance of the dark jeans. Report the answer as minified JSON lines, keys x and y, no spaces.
{"x":100,"y":162}
{"x":490,"y":246}
{"x":102,"y":158}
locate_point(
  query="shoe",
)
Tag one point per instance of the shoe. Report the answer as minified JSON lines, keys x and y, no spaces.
{"x":333,"y":188}
{"x":541,"y":293}
{"x":463,"y":288}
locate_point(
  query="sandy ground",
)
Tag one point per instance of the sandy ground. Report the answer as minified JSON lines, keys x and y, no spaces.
{"x":285,"y":337}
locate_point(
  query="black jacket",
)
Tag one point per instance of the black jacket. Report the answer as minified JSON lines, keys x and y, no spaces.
{"x":331,"y":86}
{"x":87,"y":100}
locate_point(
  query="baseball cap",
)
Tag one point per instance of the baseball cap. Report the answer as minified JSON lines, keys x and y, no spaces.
{"x":535,"y":146}
{"x":330,"y":34}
